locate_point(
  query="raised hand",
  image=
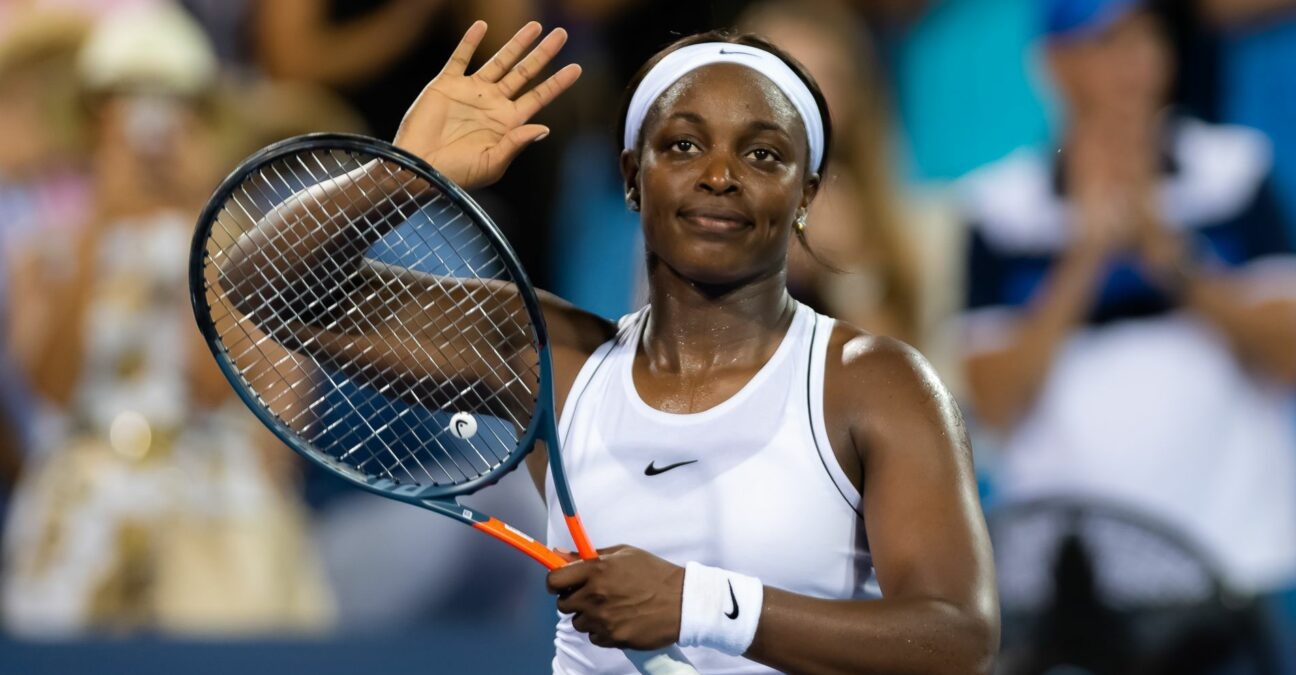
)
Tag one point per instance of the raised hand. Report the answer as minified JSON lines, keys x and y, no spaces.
{"x":470,"y":127}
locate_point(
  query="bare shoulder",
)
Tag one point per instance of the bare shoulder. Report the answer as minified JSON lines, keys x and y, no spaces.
{"x":884,"y":387}
{"x":887,"y":365}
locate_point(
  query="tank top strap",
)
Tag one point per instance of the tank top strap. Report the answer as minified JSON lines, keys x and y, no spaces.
{"x":821,"y":334}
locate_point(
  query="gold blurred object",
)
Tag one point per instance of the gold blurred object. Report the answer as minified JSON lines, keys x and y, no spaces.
{"x":130,"y":435}
{"x":124,"y":598}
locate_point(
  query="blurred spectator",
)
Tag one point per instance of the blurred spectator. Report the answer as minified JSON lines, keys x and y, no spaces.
{"x":148,"y":502}
{"x":1133,"y":305}
{"x":1257,"y":78}
{"x":41,"y":182}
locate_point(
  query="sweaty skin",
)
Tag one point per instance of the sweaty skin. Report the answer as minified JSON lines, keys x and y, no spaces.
{"x":720,"y":176}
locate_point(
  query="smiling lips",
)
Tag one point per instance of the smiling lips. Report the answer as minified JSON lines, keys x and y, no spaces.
{"x":716,"y":219}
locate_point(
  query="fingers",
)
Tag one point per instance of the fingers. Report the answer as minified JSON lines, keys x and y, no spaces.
{"x":580,"y":600}
{"x":534,"y":63}
{"x":568,"y":577}
{"x":596,"y":630}
{"x":510,"y":53}
{"x":511,"y":144}
{"x":463,"y":54}
{"x":547,"y":91}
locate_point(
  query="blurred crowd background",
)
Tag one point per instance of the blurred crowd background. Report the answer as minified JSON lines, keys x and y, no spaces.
{"x":1082,"y":211}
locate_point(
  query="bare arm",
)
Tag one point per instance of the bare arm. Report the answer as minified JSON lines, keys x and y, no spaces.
{"x":1228,"y":12}
{"x":1004,"y":381}
{"x":49,"y":301}
{"x":939,"y":610}
{"x":1262,"y":332}
{"x":296,"y":40}
{"x":1254,"y":307}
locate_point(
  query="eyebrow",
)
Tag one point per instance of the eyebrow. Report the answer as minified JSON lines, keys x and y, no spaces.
{"x":759,"y":125}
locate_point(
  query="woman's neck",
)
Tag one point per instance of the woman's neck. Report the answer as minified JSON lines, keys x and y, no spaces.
{"x":693,"y":326}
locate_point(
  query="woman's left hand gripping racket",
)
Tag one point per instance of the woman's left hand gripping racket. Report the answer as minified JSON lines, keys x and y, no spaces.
{"x":373,"y":317}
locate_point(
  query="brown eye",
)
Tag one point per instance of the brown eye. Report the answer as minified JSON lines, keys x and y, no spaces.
{"x":762,"y":155}
{"x":683,"y":145}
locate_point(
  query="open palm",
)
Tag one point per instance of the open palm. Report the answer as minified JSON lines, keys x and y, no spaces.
{"x":470,"y":127}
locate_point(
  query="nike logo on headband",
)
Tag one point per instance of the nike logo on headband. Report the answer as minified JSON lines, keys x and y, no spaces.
{"x":723,"y":51}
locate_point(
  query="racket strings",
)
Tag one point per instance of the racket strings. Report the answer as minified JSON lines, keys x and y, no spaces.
{"x":378,"y":430}
{"x":370,"y":362}
{"x":348,"y":453}
{"x":330,"y":411}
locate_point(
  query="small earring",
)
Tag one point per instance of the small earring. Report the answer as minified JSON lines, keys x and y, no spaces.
{"x":801,"y":220}
{"x":631,"y":202}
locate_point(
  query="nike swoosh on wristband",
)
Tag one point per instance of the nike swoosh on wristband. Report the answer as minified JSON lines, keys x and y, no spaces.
{"x":733,"y":598}
{"x":652,"y":470}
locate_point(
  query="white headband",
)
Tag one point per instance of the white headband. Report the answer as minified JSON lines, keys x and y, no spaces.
{"x":685,"y":60}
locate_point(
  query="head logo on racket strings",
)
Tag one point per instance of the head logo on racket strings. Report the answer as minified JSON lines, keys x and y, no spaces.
{"x":463,"y":425}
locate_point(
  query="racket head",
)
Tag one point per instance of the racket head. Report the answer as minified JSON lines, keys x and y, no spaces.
{"x":202,"y":295}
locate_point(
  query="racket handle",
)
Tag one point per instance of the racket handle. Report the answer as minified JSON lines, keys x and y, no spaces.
{"x":667,"y":661}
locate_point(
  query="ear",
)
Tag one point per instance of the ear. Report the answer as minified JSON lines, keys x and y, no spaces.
{"x":630,"y":176}
{"x":630,"y":169}
{"x":810,"y":190}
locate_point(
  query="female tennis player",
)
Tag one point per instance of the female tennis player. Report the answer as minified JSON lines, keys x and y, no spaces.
{"x":790,"y":493}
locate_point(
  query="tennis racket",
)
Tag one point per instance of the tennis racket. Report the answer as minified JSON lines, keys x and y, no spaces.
{"x":374,"y":318}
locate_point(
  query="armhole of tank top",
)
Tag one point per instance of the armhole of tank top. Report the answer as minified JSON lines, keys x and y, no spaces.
{"x":819,"y":338}
{"x":586,"y":374}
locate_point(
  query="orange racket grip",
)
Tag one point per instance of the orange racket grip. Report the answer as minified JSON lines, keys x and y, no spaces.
{"x":583,"y":546}
{"x":541,"y":553}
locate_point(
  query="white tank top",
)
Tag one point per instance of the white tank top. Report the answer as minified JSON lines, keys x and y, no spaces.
{"x":750,"y":485}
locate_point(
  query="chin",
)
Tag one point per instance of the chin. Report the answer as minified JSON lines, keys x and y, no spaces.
{"x":704,"y":265}
{"x":713,"y":258}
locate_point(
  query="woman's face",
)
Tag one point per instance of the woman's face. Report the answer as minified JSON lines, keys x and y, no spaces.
{"x":1126,"y":72}
{"x":720,"y":175}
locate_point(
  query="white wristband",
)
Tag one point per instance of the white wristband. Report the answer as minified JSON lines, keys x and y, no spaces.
{"x":720,"y":609}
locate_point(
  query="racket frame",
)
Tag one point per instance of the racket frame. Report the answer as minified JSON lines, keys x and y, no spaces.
{"x":438,"y":498}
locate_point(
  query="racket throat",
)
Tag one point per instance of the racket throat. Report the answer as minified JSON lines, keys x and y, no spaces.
{"x":583,"y":545}
{"x":539,"y":552}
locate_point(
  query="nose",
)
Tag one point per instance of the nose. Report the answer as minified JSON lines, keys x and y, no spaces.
{"x":717,"y":175}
